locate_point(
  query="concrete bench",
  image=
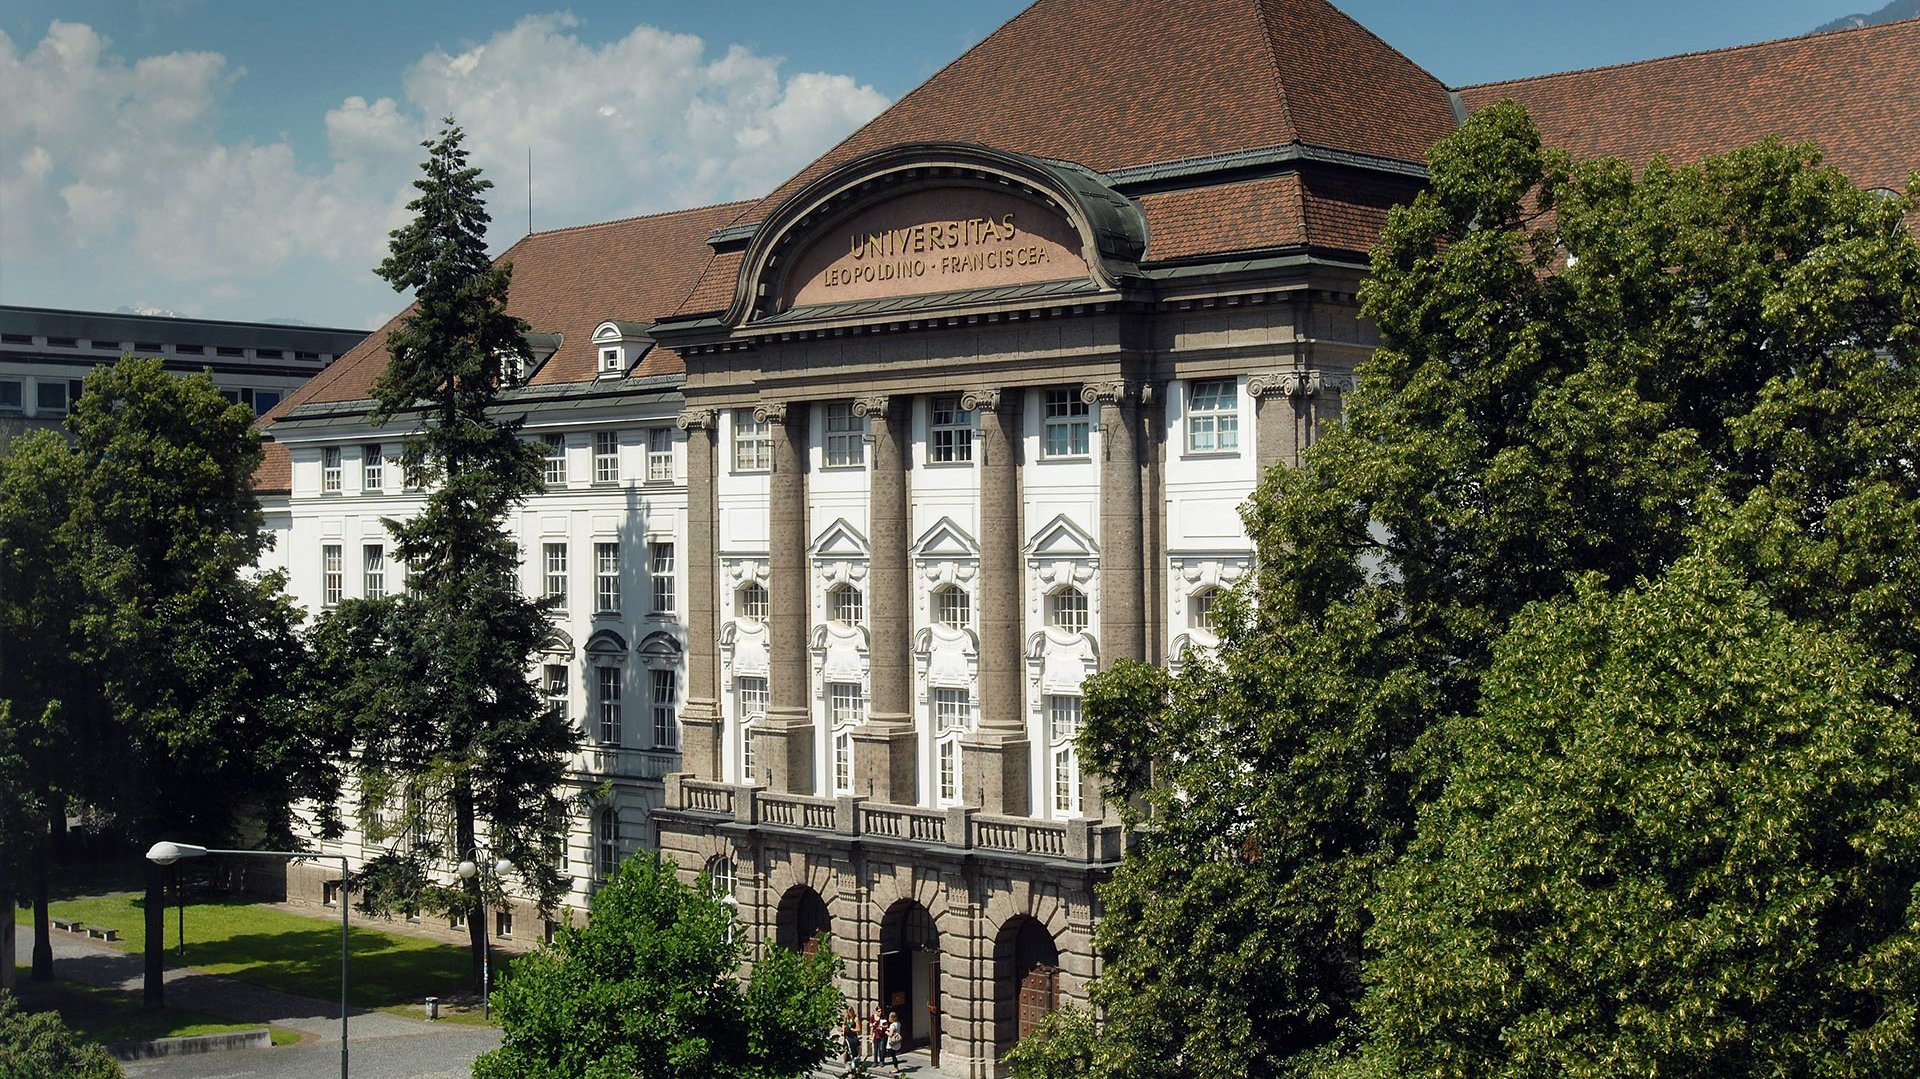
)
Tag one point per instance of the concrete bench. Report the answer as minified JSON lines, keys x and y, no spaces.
{"x":66,"y":925}
{"x":94,"y":932}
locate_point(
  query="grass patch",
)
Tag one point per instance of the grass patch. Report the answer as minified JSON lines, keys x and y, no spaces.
{"x":113,"y":1015}
{"x":289,"y":952}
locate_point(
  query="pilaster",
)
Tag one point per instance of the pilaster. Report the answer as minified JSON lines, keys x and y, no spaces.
{"x":701,"y":727}
{"x":994,"y":759}
{"x":783,"y":741}
{"x":1123,"y":601}
{"x":884,"y":747}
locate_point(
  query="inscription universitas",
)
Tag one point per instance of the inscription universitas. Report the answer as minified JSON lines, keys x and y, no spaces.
{"x":936,"y":248}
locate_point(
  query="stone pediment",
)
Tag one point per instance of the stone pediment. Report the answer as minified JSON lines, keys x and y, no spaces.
{"x":944,"y":541}
{"x":1062,"y":539}
{"x":840,"y":540}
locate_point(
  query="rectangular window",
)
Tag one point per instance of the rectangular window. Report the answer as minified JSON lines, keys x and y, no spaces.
{"x":660,"y":557}
{"x":1063,"y":717}
{"x":549,"y":929}
{"x":949,"y":769}
{"x":11,"y":398}
{"x":606,"y":575}
{"x":752,"y":443}
{"x":556,"y":573}
{"x":952,"y":430}
{"x":332,"y":577}
{"x":373,"y":559}
{"x":330,"y":469}
{"x":554,"y":687}
{"x":1213,"y":417}
{"x":950,"y":710}
{"x":373,"y":472}
{"x":751,"y":701}
{"x":606,"y":457}
{"x":666,"y":732}
{"x":659,"y":455}
{"x":264,"y":400}
{"x":607,"y":850}
{"x":607,"y":699}
{"x":50,"y":396}
{"x":849,"y":705}
{"x":846,"y":437}
{"x":503,"y":923}
{"x":555,"y":460}
{"x":1066,"y":780}
{"x":1066,"y":425}
{"x":843,"y":762}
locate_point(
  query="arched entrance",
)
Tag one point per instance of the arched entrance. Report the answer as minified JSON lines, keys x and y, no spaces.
{"x":910,"y":973}
{"x":801,"y":919}
{"x":1026,"y":980}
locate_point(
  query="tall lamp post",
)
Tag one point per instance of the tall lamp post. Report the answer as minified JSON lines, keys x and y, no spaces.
{"x":467,"y":869}
{"x":165,"y":853}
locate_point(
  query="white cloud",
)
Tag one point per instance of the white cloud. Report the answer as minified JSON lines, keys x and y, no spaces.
{"x":120,"y":163}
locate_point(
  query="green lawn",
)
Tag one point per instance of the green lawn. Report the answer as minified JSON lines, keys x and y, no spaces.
{"x":112,"y":1015}
{"x":289,"y":952}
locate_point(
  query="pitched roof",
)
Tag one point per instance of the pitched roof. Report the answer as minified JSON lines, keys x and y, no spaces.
{"x":567,"y":282}
{"x":1206,"y":77}
{"x":1855,"y":93}
{"x":274,"y":476}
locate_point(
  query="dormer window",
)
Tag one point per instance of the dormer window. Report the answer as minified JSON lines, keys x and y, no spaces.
{"x":609,"y":361}
{"x":619,"y":346}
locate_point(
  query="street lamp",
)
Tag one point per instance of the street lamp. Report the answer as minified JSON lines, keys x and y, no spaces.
{"x":165,"y":853}
{"x":467,"y":869}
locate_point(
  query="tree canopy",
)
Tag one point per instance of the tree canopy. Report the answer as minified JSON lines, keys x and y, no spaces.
{"x":1575,"y":363}
{"x":649,"y":987}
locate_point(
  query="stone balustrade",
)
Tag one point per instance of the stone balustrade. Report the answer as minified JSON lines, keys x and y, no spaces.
{"x":619,"y":762}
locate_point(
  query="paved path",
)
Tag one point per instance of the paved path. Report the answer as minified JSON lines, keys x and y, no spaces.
{"x":380,"y":1046}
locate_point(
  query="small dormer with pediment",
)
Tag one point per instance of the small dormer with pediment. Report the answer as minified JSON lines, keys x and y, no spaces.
{"x":519,"y":370}
{"x":618,"y":346}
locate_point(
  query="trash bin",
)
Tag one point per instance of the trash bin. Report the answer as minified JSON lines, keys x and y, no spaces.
{"x":433,"y":1007}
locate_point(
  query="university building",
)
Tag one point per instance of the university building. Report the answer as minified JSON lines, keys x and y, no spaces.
{"x":852,"y":487}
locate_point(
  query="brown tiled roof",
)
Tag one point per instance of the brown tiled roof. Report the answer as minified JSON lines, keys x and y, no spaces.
{"x":1231,"y":217}
{"x":567,"y":282}
{"x":275,"y":474}
{"x":1190,"y":80}
{"x":1854,"y":93}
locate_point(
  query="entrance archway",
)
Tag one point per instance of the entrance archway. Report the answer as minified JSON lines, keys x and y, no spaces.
{"x":800,"y":920}
{"x":1026,"y":980}
{"x":910,"y":973}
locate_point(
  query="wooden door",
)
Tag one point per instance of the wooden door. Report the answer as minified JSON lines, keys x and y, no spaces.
{"x":1039,"y":995}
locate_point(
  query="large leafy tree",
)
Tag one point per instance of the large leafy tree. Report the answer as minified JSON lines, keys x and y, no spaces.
{"x":451,"y":733}
{"x":1574,"y":361}
{"x":191,"y":676}
{"x":649,"y":987}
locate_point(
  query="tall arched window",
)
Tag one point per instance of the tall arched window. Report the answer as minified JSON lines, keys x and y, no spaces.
{"x":722,"y":879}
{"x":607,"y":847}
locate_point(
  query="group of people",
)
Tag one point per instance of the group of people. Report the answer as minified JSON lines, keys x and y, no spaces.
{"x":884,"y":1030}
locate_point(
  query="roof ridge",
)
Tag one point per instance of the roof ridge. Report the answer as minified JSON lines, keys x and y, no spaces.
{"x":641,"y":217}
{"x":1690,"y":54}
{"x":1388,"y":45}
{"x":1273,"y":63}
{"x":903,"y":98}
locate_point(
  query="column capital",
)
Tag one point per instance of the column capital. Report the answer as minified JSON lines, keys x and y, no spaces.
{"x":775,"y":411}
{"x":1117,"y":391}
{"x":872,"y":405}
{"x":1299,"y":383}
{"x":988,"y":400}
{"x":691,"y":419}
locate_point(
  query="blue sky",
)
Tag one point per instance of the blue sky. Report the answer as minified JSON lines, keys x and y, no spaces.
{"x":244,"y":159}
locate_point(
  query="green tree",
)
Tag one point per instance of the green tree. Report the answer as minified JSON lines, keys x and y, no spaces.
{"x":1573,"y":362}
{"x":192,"y":663}
{"x":649,"y":987}
{"x":36,"y":1045}
{"x":1678,"y":839}
{"x":449,"y":729}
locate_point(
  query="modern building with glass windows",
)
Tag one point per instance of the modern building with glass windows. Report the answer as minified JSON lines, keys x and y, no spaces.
{"x":851,"y":488}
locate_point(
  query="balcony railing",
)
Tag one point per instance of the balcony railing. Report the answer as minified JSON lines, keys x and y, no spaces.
{"x":619,"y":762}
{"x":961,"y":827}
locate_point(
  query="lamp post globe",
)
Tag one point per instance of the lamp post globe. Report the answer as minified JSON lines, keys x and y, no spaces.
{"x":467,"y":869}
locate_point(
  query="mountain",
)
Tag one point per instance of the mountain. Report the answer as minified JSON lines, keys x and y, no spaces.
{"x":1893,"y":12}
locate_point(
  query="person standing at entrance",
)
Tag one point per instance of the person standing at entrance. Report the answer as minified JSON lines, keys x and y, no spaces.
{"x":896,"y":1039}
{"x":850,"y":1033}
{"x":877,"y":1033}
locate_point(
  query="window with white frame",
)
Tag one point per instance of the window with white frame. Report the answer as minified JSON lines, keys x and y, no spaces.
{"x":752,"y":603}
{"x":752,"y":442}
{"x":952,"y":607}
{"x":330,"y":468}
{"x":842,"y":761}
{"x":845,"y":605}
{"x":846,"y":437}
{"x":554,"y":687}
{"x":1200,"y":609}
{"x":554,"y":556}
{"x":666,"y":730}
{"x":951,"y":430}
{"x":660,"y":569}
{"x":722,"y":878}
{"x":606,"y":578}
{"x":847,"y":706}
{"x":607,"y":847}
{"x":659,"y":455}
{"x":332,"y":575}
{"x":1067,"y":609}
{"x":1066,"y":425}
{"x":373,"y":472}
{"x":949,"y":769}
{"x":1063,"y":723}
{"x":554,"y":460}
{"x":606,"y":699}
{"x":606,"y":457}
{"x":750,"y":701}
{"x":952,"y":711}
{"x":609,"y":361}
{"x":1213,"y":416}
{"x":373,"y":571}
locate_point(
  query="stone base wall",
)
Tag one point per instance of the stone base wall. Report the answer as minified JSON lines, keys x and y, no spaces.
{"x":977,"y":904}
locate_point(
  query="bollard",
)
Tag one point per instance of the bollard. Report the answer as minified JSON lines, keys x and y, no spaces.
{"x":433,"y":1007}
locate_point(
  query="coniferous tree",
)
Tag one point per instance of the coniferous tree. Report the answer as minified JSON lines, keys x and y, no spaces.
{"x":451,"y":733}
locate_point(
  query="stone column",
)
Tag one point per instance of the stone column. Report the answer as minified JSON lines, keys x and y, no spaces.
{"x":884,"y":746}
{"x":1123,"y":599}
{"x":994,"y":763}
{"x":783,"y":741}
{"x":701,"y":725}
{"x":1290,"y":408}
